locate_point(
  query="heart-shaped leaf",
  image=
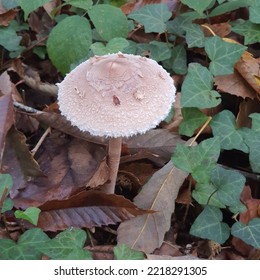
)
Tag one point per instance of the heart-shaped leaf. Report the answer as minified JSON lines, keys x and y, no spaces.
{"x":209,"y":225}
{"x":249,"y":233}
{"x":197,"y":89}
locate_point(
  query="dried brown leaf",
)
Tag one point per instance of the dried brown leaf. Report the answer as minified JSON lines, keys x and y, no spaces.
{"x":220,"y":29}
{"x":249,"y":69}
{"x":7,"y":16}
{"x":158,"y":142}
{"x":247,"y":107}
{"x":146,"y":233}
{"x":131,"y":6}
{"x":87,"y":209}
{"x":234,"y":84}
{"x":68,"y":166}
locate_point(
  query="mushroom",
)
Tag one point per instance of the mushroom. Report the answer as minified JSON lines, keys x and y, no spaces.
{"x":116,"y":95}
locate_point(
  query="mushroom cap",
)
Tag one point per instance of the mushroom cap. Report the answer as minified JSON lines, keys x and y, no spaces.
{"x":116,"y":95}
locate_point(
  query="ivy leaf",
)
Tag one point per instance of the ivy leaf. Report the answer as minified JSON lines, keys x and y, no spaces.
{"x":224,"y":125}
{"x":199,"y":160}
{"x":6,"y":182}
{"x":31,"y":214}
{"x":67,"y":245}
{"x":76,"y":36}
{"x":194,"y":36}
{"x":253,"y":142}
{"x":178,"y":60}
{"x":229,"y":185}
{"x":113,"y":46}
{"x":251,"y":31}
{"x":27,"y":247}
{"x":228,"y":7}
{"x":198,"y":6}
{"x":209,"y":225}
{"x":123,"y":252}
{"x":153,"y":17}
{"x":197,"y":88}
{"x":255,"y":121}
{"x":9,"y":39}
{"x":249,"y":233}
{"x":159,"y":50}
{"x":192,"y":119}
{"x":29,"y":6}
{"x":86,"y":4}
{"x":223,"y":55}
{"x":109,"y":21}
{"x":254,"y":14}
{"x":206,"y":194}
{"x":224,"y":188}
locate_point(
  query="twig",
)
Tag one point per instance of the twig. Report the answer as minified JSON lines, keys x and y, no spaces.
{"x":25,"y":108}
{"x":199,"y":132}
{"x":35,"y":149}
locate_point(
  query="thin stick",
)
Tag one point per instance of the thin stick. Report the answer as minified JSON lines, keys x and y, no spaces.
{"x":202,"y":128}
{"x":114,"y":153}
{"x":35,"y":149}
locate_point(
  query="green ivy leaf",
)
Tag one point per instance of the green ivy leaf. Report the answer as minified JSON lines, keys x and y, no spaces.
{"x":197,"y":88}
{"x":206,"y":194}
{"x":198,"y":6}
{"x":209,"y":225}
{"x":82,"y":4}
{"x":254,"y":14}
{"x":159,"y":51}
{"x":113,"y":46}
{"x":255,"y":121}
{"x":178,"y":60}
{"x":31,"y":214}
{"x":9,"y":39}
{"x":228,"y":7}
{"x":224,"y":125}
{"x":75,"y":34}
{"x":27,"y":247}
{"x":153,"y":17}
{"x":249,"y":233}
{"x":67,"y":244}
{"x":109,"y":21}
{"x":6,"y":182}
{"x":29,"y":6}
{"x":192,"y":119}
{"x":252,"y":139}
{"x":251,"y":31}
{"x":223,"y":55}
{"x":199,"y":160}
{"x":224,"y":188}
{"x":8,"y":205}
{"x":123,"y":252}
{"x":194,"y":36}
{"x":10,"y":4}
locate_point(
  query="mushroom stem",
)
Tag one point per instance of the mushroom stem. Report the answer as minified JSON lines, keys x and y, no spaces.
{"x":114,"y":153}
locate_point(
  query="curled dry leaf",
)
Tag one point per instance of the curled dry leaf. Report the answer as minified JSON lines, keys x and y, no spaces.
{"x":234,"y":84}
{"x":146,"y":233}
{"x":87,"y":209}
{"x":249,"y":69}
